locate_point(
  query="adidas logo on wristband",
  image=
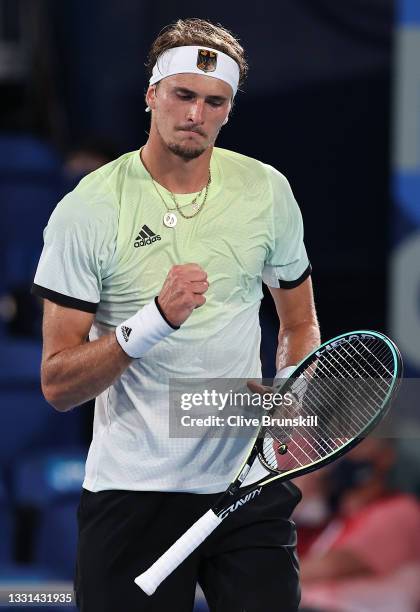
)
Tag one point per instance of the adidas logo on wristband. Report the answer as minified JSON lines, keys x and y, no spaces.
{"x":126,"y":331}
{"x":143,"y":330}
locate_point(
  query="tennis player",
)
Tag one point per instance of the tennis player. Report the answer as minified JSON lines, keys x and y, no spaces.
{"x":159,"y":257}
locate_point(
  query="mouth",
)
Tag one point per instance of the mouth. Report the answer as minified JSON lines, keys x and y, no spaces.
{"x":191,"y":132}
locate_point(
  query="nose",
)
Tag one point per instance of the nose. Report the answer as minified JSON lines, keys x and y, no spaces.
{"x":196,"y":112}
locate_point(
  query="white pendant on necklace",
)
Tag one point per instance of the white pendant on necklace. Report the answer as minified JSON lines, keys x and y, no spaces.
{"x":195,"y":206}
{"x":170,"y":219}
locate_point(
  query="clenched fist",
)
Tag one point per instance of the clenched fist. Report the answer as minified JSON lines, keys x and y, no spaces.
{"x":182,"y":292}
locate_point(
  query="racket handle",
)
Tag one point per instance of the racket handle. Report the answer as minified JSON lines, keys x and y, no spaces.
{"x":175,"y":555}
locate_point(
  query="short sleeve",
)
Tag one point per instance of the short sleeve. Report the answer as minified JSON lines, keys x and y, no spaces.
{"x":76,"y":253}
{"x":287,"y":264}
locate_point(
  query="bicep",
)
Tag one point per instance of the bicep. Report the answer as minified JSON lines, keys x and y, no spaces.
{"x":63,"y":328}
{"x":295,"y":306}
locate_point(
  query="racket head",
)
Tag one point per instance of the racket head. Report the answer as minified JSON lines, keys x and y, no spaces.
{"x":369,"y":366}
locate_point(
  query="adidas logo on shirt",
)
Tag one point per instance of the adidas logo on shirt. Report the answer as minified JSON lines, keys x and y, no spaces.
{"x":145,"y":237}
{"x":126,"y":331}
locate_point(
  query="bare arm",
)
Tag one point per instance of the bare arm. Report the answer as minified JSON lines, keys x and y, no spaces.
{"x":299,"y":329}
{"x":73,"y":370}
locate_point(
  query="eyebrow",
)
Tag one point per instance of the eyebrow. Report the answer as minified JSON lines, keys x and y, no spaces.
{"x":190,"y":92}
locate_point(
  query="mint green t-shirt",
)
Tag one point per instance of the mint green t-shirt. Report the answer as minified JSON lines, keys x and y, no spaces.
{"x":108,"y":252}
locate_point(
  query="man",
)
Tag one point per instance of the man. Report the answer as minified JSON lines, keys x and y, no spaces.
{"x":159,"y":257}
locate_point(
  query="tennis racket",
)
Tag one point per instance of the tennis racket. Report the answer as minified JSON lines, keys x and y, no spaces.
{"x":341,"y":391}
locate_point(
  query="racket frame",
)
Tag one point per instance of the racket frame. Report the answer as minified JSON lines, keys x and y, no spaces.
{"x":255,"y":448}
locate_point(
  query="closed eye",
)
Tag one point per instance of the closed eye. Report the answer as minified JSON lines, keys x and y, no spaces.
{"x":215,"y":103}
{"x":185,"y":96}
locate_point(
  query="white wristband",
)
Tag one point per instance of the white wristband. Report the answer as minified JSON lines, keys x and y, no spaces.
{"x":282,"y":376}
{"x":285,"y":373}
{"x":143,"y":330}
{"x":299,"y":385}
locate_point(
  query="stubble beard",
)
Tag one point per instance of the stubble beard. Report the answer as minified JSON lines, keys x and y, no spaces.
{"x":182,"y":151}
{"x":185,"y":152}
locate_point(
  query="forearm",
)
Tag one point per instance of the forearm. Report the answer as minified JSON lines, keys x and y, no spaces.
{"x":78,"y":374}
{"x":296,"y":341}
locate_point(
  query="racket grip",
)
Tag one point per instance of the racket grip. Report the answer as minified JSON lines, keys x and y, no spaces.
{"x":175,"y":555}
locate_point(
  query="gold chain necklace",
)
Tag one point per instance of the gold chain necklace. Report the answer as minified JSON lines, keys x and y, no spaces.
{"x":169,"y":218}
{"x":196,"y":206}
{"x":193,"y":202}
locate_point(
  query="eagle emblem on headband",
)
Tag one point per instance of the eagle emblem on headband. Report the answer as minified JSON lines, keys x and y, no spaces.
{"x":206,"y":60}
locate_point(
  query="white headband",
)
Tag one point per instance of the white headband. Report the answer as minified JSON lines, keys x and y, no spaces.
{"x":197,"y":60}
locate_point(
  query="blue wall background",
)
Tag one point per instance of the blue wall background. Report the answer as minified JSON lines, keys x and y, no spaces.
{"x":404,"y":287}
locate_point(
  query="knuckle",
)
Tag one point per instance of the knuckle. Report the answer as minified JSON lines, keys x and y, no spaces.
{"x":188,"y":301}
{"x":179,"y":287}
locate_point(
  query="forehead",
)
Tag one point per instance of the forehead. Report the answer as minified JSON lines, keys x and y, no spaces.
{"x":201,"y":84}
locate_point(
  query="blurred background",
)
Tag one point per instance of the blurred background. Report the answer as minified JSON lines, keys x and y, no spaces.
{"x":332,"y":101}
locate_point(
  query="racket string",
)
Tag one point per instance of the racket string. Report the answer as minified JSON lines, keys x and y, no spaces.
{"x":384,"y":349}
{"x":355,"y":379}
{"x":311,"y":436}
{"x":310,"y":395}
{"x":334,"y":432}
{"x":361,"y":367}
{"x":315,"y":413}
{"x":346,"y":388}
{"x":354,"y":397}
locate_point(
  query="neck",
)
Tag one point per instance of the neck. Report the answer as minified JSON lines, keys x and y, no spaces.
{"x":173,"y":172}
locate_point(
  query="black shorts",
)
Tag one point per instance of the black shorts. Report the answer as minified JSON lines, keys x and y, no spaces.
{"x":247,"y":564}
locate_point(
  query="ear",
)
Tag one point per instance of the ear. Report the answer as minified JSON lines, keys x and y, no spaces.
{"x":151,"y":97}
